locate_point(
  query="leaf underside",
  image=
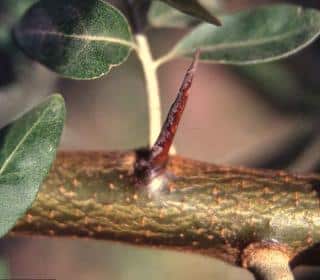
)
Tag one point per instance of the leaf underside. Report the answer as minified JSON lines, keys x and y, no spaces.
{"x":164,"y":15}
{"x":194,"y":8}
{"x":259,"y":35}
{"x":27,"y":149}
{"x":77,"y":39}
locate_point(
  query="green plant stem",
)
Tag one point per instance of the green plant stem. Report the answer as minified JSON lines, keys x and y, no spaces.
{"x":204,"y":208}
{"x":164,"y":59}
{"x":152,"y":87}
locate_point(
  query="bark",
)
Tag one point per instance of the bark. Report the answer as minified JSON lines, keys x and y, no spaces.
{"x":198,"y":207}
{"x":268,"y":261}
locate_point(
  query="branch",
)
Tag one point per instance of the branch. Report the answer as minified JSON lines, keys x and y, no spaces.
{"x":207,"y":209}
{"x":268,"y":261}
{"x":265,"y":221}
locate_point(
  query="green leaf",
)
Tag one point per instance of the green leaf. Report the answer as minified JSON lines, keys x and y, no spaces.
{"x":163,"y":15}
{"x":195,"y":8}
{"x":27,"y":149}
{"x":259,"y":35}
{"x":75,"y":38}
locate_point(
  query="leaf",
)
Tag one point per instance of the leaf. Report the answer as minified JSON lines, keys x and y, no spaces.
{"x":75,"y":38}
{"x":27,"y":149}
{"x":195,"y":8}
{"x":163,"y":15}
{"x":259,"y":35}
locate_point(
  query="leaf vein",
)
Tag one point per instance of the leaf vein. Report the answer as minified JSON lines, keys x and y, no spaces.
{"x":84,"y":37}
{"x":23,"y":139}
{"x":248,"y":43}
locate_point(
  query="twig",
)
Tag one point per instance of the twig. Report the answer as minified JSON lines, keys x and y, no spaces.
{"x":213,"y":210}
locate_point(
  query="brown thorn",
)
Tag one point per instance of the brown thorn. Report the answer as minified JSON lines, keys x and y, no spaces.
{"x":160,"y":150}
{"x":151,"y":163}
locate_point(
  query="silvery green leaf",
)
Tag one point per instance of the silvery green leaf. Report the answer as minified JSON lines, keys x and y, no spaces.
{"x":75,"y":38}
{"x":27,"y":149}
{"x":258,"y":35}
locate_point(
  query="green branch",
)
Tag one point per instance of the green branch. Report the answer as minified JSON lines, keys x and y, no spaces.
{"x":207,"y":209}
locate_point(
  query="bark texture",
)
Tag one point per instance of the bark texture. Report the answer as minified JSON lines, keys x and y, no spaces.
{"x":198,"y":207}
{"x":268,"y":261}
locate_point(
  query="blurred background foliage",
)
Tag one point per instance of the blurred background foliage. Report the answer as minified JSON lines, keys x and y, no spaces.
{"x":260,"y":116}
